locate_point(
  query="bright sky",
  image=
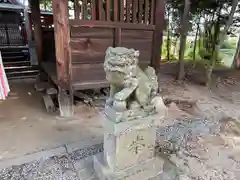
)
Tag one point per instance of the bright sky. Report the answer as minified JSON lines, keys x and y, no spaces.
{"x":25,"y":2}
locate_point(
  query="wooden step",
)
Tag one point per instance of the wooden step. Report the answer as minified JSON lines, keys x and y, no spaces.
{"x":14,"y":54}
{"x":20,"y":69}
{"x":16,"y":63}
{"x":7,"y":53}
{"x":13,"y":57}
{"x":22,"y":74}
{"x":22,"y":77}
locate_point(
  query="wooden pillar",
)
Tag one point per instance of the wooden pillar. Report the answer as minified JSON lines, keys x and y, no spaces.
{"x":158,"y":34}
{"x":36,"y":18}
{"x":63,"y":56}
{"x":31,"y":47}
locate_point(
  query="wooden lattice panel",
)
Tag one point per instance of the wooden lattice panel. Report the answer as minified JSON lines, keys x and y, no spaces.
{"x":134,"y":11}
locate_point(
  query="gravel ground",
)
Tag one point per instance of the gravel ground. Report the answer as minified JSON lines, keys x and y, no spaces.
{"x":54,"y":168}
{"x":77,"y":165}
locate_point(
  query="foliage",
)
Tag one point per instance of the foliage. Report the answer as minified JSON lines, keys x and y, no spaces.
{"x":46,"y":4}
{"x":209,"y":23}
{"x":165,"y":51}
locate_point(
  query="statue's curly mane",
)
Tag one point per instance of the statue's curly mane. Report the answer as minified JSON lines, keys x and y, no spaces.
{"x":120,"y":60}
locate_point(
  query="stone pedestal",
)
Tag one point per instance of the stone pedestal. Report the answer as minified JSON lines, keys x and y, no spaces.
{"x":129,"y":150}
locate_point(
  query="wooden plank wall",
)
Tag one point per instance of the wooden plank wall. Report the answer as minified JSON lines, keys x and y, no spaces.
{"x":88,"y":47}
{"x":100,"y":24}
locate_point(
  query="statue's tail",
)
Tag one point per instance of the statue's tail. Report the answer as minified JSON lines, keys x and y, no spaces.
{"x":151,"y":74}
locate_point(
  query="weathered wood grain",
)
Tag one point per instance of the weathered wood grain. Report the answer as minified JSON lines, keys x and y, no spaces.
{"x":48,"y":102}
{"x":63,"y":57}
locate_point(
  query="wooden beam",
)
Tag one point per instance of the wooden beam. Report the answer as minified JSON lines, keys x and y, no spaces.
{"x":108,"y":10}
{"x":63,"y":56}
{"x":140,"y":10}
{"x":117,"y":38}
{"x":128,"y":9}
{"x":158,"y":34}
{"x":36,"y":18}
{"x":32,"y":49}
{"x":101,"y":15}
{"x":112,"y":24}
{"x":115,"y":10}
{"x":152,"y":11}
{"x":134,"y":10}
{"x":122,"y":10}
{"x":146,"y":11}
{"x":84,"y":9}
{"x":76,"y":9}
{"x":62,"y":39}
{"x":93,"y":7}
{"x":48,"y":102}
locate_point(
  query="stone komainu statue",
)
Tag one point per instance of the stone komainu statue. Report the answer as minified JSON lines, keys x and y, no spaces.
{"x":131,"y":88}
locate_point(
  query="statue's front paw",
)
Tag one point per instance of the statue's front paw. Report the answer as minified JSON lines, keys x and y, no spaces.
{"x":119,"y":96}
{"x":120,"y":106}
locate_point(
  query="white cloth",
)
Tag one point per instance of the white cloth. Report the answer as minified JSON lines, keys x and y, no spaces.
{"x":4,"y":86}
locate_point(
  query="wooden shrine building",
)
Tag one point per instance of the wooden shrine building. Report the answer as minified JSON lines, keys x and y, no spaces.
{"x":74,"y":60}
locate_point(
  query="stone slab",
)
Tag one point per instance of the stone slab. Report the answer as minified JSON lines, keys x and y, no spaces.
{"x":129,"y":148}
{"x":32,"y":157}
{"x":127,"y":126}
{"x":143,"y":171}
{"x":88,"y":142}
{"x":133,"y":140}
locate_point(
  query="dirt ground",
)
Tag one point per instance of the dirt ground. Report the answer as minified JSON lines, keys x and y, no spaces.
{"x":194,"y":100}
{"x":215,"y":155}
{"x":26,"y":127}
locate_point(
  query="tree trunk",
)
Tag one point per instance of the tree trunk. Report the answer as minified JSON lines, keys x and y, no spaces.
{"x":183,"y":39}
{"x":168,"y":46}
{"x":230,"y":20}
{"x":45,"y":5}
{"x":221,"y":39}
{"x":195,"y":41}
{"x":211,"y":66}
{"x":175,"y":45}
{"x":168,"y":38}
{"x":235,"y":63}
{"x":200,"y":39}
